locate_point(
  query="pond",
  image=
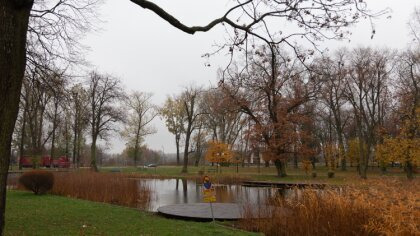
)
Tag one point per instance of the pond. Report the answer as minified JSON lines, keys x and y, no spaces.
{"x":177,"y":191}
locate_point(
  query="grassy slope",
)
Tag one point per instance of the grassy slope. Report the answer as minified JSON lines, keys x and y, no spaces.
{"x":28,"y":214}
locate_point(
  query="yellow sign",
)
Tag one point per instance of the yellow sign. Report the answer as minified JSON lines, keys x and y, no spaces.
{"x":209,"y":195}
{"x":208,"y":190}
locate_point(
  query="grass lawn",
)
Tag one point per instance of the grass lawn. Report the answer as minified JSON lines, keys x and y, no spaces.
{"x":28,"y":214}
{"x":264,"y":173}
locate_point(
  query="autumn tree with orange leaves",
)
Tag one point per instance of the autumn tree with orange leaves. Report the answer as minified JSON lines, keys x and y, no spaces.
{"x":219,"y":152}
{"x":272,"y":92}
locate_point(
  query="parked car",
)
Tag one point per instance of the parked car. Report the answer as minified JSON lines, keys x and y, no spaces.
{"x":151,"y":165}
{"x":61,"y":162}
{"x":26,"y":161}
{"x":46,"y":161}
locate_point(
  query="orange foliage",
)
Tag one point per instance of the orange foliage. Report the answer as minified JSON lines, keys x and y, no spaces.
{"x":218,"y":152}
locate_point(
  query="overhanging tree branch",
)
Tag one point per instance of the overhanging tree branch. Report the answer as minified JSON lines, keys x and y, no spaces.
{"x":176,"y":23}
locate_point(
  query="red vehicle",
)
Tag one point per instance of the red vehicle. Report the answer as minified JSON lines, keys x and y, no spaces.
{"x":26,"y":161}
{"x":61,"y":162}
{"x":46,"y":161}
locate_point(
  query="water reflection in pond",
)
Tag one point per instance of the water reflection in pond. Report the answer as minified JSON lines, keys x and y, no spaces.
{"x":176,"y":191}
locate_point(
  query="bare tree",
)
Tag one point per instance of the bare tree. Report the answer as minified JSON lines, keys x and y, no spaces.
{"x":334,"y":75}
{"x":199,"y":140}
{"x":54,"y":32}
{"x":366,"y":90}
{"x":190,"y":99}
{"x":38,"y":95}
{"x":222,"y":116}
{"x":79,"y":110}
{"x":271,"y":93}
{"x":141,"y":113}
{"x":414,"y":25}
{"x":57,"y":90}
{"x":104,"y":94}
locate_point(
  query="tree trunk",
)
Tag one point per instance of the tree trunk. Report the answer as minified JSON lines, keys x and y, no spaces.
{"x":383,"y":166}
{"x":14,"y":16}
{"x":136,"y":153}
{"x":177,"y":138}
{"x":135,"y":156}
{"x":22,"y":139}
{"x":93,"y":165}
{"x":75,"y":139}
{"x":67,"y":139}
{"x":343,"y":164}
{"x":280,"y":167}
{"x":187,"y":144}
{"x":79,"y":146}
{"x":52,"y":154}
{"x":364,"y":159}
{"x":197,"y":158}
{"x":258,"y":163}
{"x":295,"y":160}
{"x":363,"y":171}
{"x":363,"y":166}
{"x":409,"y":169}
{"x":313,"y":163}
{"x":136,"y":146}
{"x":342,"y":153}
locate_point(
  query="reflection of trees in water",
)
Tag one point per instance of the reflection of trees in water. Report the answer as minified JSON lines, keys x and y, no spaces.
{"x":222,"y":194}
{"x":197,"y":191}
{"x":175,"y":191}
{"x":185,"y":190}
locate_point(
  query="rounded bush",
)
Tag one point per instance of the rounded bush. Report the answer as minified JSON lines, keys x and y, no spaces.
{"x":37,"y":181}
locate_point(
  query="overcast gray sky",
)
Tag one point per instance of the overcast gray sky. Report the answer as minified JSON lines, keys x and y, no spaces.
{"x":150,"y":55}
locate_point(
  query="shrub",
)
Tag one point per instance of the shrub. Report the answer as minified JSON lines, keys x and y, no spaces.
{"x":38,"y":181}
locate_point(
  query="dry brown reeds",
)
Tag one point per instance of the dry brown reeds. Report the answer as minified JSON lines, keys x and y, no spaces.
{"x":374,"y":208}
{"x":113,"y":188}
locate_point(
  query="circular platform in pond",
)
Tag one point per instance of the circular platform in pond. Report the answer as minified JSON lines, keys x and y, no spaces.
{"x":202,"y":211}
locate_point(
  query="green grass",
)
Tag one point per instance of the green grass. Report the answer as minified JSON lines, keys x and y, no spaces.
{"x":265,"y":173}
{"x":29,"y":214}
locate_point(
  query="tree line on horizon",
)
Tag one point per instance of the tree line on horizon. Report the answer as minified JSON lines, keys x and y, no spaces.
{"x":354,"y":107}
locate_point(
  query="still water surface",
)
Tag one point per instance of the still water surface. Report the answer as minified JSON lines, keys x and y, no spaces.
{"x":176,"y":191}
